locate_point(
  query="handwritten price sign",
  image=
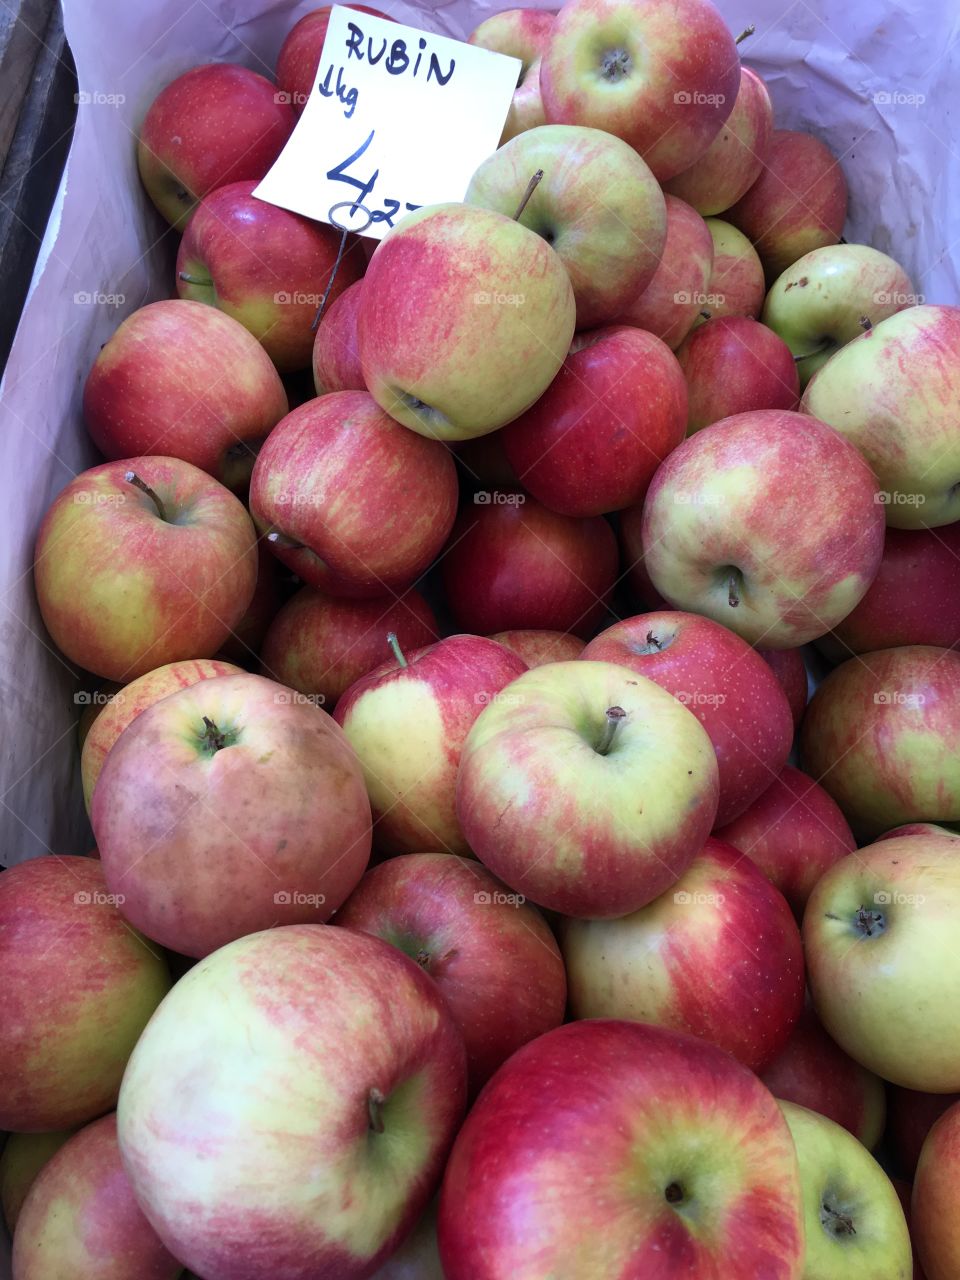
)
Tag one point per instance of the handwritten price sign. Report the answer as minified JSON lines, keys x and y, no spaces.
{"x":398,"y":118}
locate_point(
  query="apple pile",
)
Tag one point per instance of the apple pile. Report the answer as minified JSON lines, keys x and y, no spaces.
{"x":444,"y":614}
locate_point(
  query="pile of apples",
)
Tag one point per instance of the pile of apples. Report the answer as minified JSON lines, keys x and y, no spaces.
{"x":457,"y":909}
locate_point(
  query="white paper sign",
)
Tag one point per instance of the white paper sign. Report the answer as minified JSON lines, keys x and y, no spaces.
{"x":398,"y":118}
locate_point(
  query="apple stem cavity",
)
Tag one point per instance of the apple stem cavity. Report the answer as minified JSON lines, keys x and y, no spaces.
{"x":394,"y":644}
{"x":281,"y":540}
{"x":375,"y":1101}
{"x":531,"y":188}
{"x":616,"y":64}
{"x":614,"y":718}
{"x":131,"y":477}
{"x":673,"y":1194}
{"x":835,"y":1222}
{"x":187,"y":278}
{"x":212,"y":738}
{"x":733,"y":592}
{"x":866,"y":324}
{"x":869,"y":923}
{"x":746,"y":33}
{"x":707,"y":315}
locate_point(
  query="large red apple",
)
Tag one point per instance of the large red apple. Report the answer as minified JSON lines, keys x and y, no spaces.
{"x":299,"y":58}
{"x":733,"y":364}
{"x":539,"y":647}
{"x":336,"y":356}
{"x":612,"y":1148}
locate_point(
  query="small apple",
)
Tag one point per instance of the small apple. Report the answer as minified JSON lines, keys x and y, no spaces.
{"x":734,"y":364}
{"x":299,"y":58}
{"x":537,"y":648}
{"x":336,"y":356}
{"x":910,"y":1117}
{"x":523,"y":34}
{"x":736,"y":286}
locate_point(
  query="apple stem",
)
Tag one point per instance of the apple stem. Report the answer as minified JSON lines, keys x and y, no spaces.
{"x":615,"y":717}
{"x":866,"y":324}
{"x":869,"y":922}
{"x":212,"y":737}
{"x":131,"y":477}
{"x":747,"y":31}
{"x":841,"y":1224}
{"x":189,"y":279}
{"x":394,"y":644}
{"x":423,"y":958}
{"x":652,"y":640}
{"x":707,"y":315}
{"x":531,"y":188}
{"x":375,"y":1102}
{"x":733,"y":594}
{"x":281,"y":540}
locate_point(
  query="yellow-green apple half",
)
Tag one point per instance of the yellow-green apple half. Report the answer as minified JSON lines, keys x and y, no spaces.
{"x":587,"y":788}
{"x":791,"y":670}
{"x":319,"y":645}
{"x":299,"y":58}
{"x":661,"y":74}
{"x":79,"y":987}
{"x":678,"y":290}
{"x":466,"y":317}
{"x":22,"y":1158}
{"x":794,"y":831}
{"x":798,"y":203}
{"x":733,"y":161}
{"x":895,"y":394}
{"x":598,"y":206}
{"x":828,"y":296}
{"x":215,"y":124}
{"x":737,"y":286}
{"x":612,"y":1148}
{"x":336,"y":357}
{"x":594,"y":439}
{"x":143,"y":562}
{"x":853,"y":1222}
{"x":725,"y":683}
{"x":728,"y":532}
{"x":359,"y":505}
{"x":733,"y":364}
{"x":910,"y":1117}
{"x":134,"y":698}
{"x":936,"y":1198}
{"x":186,"y":381}
{"x":718,"y":955}
{"x":81,"y":1219}
{"x":491,"y":954}
{"x":230,"y":806}
{"x":882,"y":959}
{"x":512,"y":564}
{"x":264,"y":266}
{"x":813,"y":1071}
{"x":523,"y":34}
{"x":339,"y":1054}
{"x":407,"y":720}
{"x":882,"y":734}
{"x":537,"y":648}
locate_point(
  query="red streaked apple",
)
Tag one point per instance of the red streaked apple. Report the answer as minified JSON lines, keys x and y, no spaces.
{"x":22,"y":1158}
{"x":227,"y":807}
{"x":729,"y":534}
{"x":215,"y":124}
{"x":718,"y":955}
{"x":612,"y":1148}
{"x":514,"y":565}
{"x":183,"y":380}
{"x":464,"y":321}
{"x":407,"y":720}
{"x":791,"y":670}
{"x":587,"y":788}
{"x":361,"y":506}
{"x":523,"y":34}
{"x":736,"y":286}
{"x":910,"y":1117}
{"x":661,"y":74}
{"x":79,"y":987}
{"x":491,"y":954}
{"x":336,"y":357}
{"x":732,"y":365}
{"x":341,"y":1055}
{"x":299,"y":58}
{"x":539,"y":647}
{"x":143,"y":562}
{"x":594,"y":439}
{"x":794,"y":831}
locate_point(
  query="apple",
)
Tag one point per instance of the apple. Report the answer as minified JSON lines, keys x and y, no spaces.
{"x":213,"y":125}
{"x":630,"y":531}
{"x":821,"y":303}
{"x":483,"y":463}
{"x":464,"y":321}
{"x":491,"y":954}
{"x":537,"y":648}
{"x":22,"y":1158}
{"x":361,"y":506}
{"x":882,"y":963}
{"x":319,"y":645}
{"x":263,"y":266}
{"x":243,"y":644}
{"x":79,"y":987}
{"x":798,"y":203}
{"x":736,"y":286}
{"x":917,"y":829}
{"x":81,"y":1219}
{"x":733,"y":161}
{"x":594,"y":439}
{"x":299,"y":58}
{"x":904,"y":1190}
{"x":132,"y":573}
{"x":336,"y":358}
{"x":523,"y":34}
{"x":340,"y":1055}
{"x":812,"y":1071}
{"x":794,"y":831}
{"x":610,"y":1148}
{"x":515,"y":565}
{"x":910,"y":1117}
{"x":882,"y":733}
{"x":718,"y":955}
{"x":791,"y":670}
{"x":407,"y":720}
{"x":728,"y":533}
{"x":853,"y":1222}
{"x":677,"y":291}
{"x":183,"y":380}
{"x":661,"y":74}
{"x":934,"y":1199}
{"x":637,"y":801}
{"x":894,"y":393}
{"x":418,"y":1258}
{"x":725,"y":683}
{"x":734,"y":364}
{"x":227,"y":807}
{"x":597,"y":205}
{"x":526,"y":107}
